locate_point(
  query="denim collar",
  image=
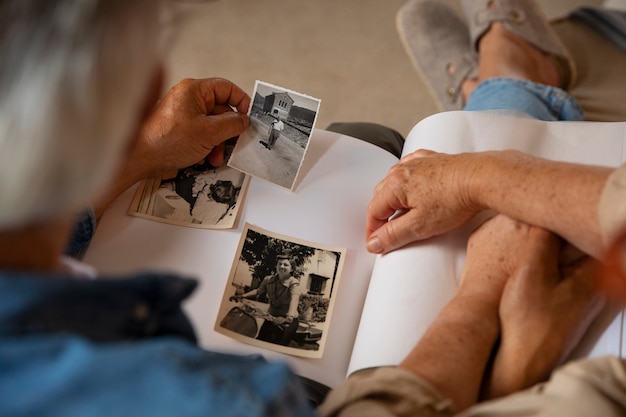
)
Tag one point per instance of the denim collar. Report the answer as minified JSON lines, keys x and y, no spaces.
{"x":102,"y":310}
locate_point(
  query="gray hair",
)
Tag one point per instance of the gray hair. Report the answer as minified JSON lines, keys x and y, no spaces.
{"x":73,"y":79}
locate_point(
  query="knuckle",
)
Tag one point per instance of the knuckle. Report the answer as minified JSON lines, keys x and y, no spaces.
{"x":185,"y":83}
{"x":379,"y":187}
{"x":415,"y":229}
{"x":393,"y":234}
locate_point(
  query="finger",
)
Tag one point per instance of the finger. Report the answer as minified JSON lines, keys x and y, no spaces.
{"x":570,"y":255}
{"x":374,"y":223}
{"x":611,"y":271}
{"x":541,"y":255}
{"x":545,"y":245}
{"x":216,"y":157}
{"x":217,"y":91}
{"x":382,"y":206}
{"x":220,"y":127}
{"x":612,"y":282}
{"x":420,"y":153}
{"x":221,"y":108}
{"x":395,"y":233}
{"x":586,"y":268}
{"x":390,"y":196}
{"x":582,"y":280}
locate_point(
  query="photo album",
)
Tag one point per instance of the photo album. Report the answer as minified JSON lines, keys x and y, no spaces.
{"x":276,"y":237}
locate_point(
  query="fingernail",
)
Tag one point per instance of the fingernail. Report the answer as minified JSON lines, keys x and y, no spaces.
{"x":374,"y":246}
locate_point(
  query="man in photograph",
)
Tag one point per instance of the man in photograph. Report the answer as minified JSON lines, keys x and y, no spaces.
{"x":276,"y":127}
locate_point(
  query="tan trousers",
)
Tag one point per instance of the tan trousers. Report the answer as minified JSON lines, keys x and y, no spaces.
{"x":600,"y":86}
{"x":590,"y":387}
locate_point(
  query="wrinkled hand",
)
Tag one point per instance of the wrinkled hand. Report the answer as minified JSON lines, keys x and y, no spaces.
{"x":189,"y":125}
{"x":431,"y":192}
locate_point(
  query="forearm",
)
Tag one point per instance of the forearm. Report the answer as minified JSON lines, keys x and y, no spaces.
{"x":561,"y":197}
{"x":293,"y":306}
{"x":454,"y":352}
{"x":251,"y":293}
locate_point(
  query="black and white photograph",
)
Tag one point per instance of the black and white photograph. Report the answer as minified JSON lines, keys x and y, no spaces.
{"x":200,"y":196}
{"x":280,"y":293}
{"x":273,"y":146}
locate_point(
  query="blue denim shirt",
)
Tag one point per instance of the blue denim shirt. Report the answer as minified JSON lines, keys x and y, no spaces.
{"x":124,"y":347}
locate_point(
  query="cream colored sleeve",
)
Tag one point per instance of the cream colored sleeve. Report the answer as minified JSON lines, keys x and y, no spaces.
{"x":385,"y":392}
{"x":612,"y":206}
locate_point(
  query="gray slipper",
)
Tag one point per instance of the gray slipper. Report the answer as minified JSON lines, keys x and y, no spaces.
{"x":437,"y":41}
{"x":525,"y":19}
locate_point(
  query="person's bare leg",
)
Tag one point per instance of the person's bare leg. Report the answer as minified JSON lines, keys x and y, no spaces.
{"x":503,"y":54}
{"x":544,"y":313}
{"x":454,"y":352}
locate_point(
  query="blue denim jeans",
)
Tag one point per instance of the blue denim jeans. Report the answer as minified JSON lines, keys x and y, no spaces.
{"x":536,"y":100}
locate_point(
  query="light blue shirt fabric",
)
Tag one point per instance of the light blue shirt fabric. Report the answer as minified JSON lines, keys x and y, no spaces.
{"x":123,"y":347}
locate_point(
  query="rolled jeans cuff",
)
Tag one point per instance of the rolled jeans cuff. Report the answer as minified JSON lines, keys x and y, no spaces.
{"x":539,"y":101}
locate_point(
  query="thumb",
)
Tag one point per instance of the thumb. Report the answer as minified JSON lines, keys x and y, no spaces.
{"x":395,"y":233}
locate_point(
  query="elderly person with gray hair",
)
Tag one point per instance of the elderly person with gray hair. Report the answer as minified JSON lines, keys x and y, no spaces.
{"x":78,"y":124}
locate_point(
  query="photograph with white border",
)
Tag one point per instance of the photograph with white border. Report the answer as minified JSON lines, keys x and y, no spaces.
{"x":200,"y":196}
{"x":273,"y":146}
{"x":280,"y":293}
